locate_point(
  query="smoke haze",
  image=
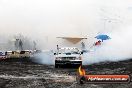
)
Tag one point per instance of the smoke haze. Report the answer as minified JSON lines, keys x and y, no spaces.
{"x":116,"y":49}
{"x":44,"y":20}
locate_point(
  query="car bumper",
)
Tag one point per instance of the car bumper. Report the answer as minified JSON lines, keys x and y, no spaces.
{"x":68,"y":62}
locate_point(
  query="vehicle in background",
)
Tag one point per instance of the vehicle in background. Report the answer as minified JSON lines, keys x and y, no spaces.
{"x":13,"y":54}
{"x":25,"y":54}
{"x":68,"y":56}
{"x":18,"y":54}
{"x":2,"y":55}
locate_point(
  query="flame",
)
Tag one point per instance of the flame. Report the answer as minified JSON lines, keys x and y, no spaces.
{"x":81,"y":71}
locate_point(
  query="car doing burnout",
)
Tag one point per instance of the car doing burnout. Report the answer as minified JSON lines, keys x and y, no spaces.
{"x":68,"y":56}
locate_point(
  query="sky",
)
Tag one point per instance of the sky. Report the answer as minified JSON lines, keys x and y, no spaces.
{"x":42,"y":19}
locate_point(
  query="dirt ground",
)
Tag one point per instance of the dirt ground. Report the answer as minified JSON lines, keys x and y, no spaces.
{"x":25,"y":74}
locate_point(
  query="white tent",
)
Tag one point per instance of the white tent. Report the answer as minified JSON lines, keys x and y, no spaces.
{"x":74,"y":40}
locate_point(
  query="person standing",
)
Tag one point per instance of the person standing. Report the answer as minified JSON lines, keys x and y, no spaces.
{"x":98,"y":43}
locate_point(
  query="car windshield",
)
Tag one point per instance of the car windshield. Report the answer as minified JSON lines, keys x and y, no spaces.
{"x":69,"y":51}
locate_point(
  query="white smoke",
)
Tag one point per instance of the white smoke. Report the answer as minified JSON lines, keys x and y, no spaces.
{"x":116,"y":49}
{"x":44,"y":58}
{"x":41,"y":20}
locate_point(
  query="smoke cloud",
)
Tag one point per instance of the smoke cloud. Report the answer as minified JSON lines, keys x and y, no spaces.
{"x":44,"y":20}
{"x":46,"y":57}
{"x":116,"y":49}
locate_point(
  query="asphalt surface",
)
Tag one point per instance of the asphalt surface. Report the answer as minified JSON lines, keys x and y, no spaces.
{"x":26,"y":74}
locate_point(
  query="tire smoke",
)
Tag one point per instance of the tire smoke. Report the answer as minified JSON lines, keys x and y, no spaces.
{"x":116,"y":49}
{"x":44,"y":58}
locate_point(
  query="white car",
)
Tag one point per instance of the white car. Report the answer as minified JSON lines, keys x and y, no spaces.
{"x":12,"y":54}
{"x":68,"y":56}
{"x":25,"y":53}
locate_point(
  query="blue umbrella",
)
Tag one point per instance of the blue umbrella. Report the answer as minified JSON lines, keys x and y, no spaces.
{"x":103,"y":37}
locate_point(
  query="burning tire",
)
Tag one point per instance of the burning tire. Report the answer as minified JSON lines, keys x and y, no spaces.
{"x":82,"y":80}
